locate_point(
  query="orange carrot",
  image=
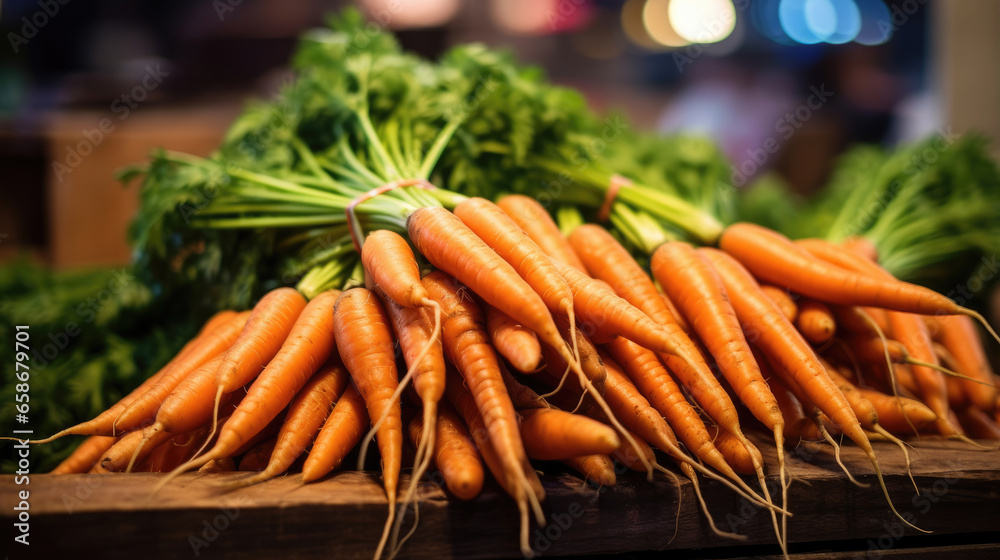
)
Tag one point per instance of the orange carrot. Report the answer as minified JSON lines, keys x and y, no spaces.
{"x":85,"y":455}
{"x":266,"y":330}
{"x":959,"y":335}
{"x":513,"y":341}
{"x":773,"y":258}
{"x":342,"y":431}
{"x":596,"y":469}
{"x":214,"y":343}
{"x":454,"y":453}
{"x":550,"y":434}
{"x":783,"y":300}
{"x":176,"y":451}
{"x":467,"y":346}
{"x":306,"y":414}
{"x":815,"y":321}
{"x":898,"y":416}
{"x":538,"y":224}
{"x":861,"y":246}
{"x":740,"y":457}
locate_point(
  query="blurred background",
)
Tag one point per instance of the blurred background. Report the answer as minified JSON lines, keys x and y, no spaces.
{"x":87,"y":87}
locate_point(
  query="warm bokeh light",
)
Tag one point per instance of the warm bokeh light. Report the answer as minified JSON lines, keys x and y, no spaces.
{"x":525,"y":17}
{"x":702,"y":21}
{"x":634,"y":27}
{"x":411,"y":13}
{"x":656,"y":19}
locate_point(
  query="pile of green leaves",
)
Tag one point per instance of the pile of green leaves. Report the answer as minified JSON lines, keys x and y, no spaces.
{"x":91,"y":336}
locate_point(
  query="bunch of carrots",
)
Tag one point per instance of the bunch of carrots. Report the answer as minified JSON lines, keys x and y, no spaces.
{"x":519,"y":343}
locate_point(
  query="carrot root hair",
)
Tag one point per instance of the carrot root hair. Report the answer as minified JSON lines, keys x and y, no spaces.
{"x":708,"y":515}
{"x":878,"y":429}
{"x":982,"y":320}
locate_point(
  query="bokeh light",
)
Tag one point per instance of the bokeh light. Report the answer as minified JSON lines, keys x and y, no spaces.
{"x":702,"y":21}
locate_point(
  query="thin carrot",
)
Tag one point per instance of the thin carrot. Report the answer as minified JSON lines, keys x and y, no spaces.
{"x":85,"y":455}
{"x":306,"y":414}
{"x":513,"y":341}
{"x":465,"y":404}
{"x":782,"y":299}
{"x":467,"y":346}
{"x":214,"y":343}
{"x":538,"y":224}
{"x":815,"y":321}
{"x":342,"y":431}
{"x":455,"y":454}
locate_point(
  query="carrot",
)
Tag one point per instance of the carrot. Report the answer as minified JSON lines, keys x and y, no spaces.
{"x":861,"y":246}
{"x":538,"y":224}
{"x":256,"y":459}
{"x":465,"y":404}
{"x":515,"y":342}
{"x":454,"y":248}
{"x":589,"y":360}
{"x":118,"y":456}
{"x":306,"y":414}
{"x":597,"y":469}
{"x":104,"y":423}
{"x":306,"y":345}
{"x":638,"y":416}
{"x":266,"y":330}
{"x":521,"y":395}
{"x":214,"y":343}
{"x":792,"y":354}
{"x":815,"y":321}
{"x":782,"y":299}
{"x":773,"y":258}
{"x":189,"y":405}
{"x":898,"y":416}
{"x":740,"y":457}
{"x":611,"y":262}
{"x":342,"y":431}
{"x":958,"y":334}
{"x":85,"y":455}
{"x":467,"y":346}
{"x":454,"y":453}
{"x":797,"y":424}
{"x":550,"y":435}
{"x":979,"y":424}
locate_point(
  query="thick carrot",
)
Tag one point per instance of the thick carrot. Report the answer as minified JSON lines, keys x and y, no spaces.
{"x":306,"y":414}
{"x":342,"y":431}
{"x":176,"y":451}
{"x":815,"y":321}
{"x":467,"y":346}
{"x":959,"y":335}
{"x":513,"y":341}
{"x":85,"y":455}
{"x":596,"y":469}
{"x":390,"y":262}
{"x":773,"y":258}
{"x":538,"y":224}
{"x":454,"y":248}
{"x":554,"y":435}
{"x":782,"y":299}
{"x":455,"y":454}
{"x":117,"y":457}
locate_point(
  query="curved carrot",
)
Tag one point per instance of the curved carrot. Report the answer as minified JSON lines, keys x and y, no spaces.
{"x":773,"y":258}
{"x":85,"y":455}
{"x":538,"y":224}
{"x":342,"y":431}
{"x":550,"y":434}
{"x":513,"y":341}
{"x":782,"y":299}
{"x":306,"y":414}
{"x":454,"y":453}
{"x":815,"y":321}
{"x":597,"y":469}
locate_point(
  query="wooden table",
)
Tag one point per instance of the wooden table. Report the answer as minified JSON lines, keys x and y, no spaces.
{"x":341,"y":517}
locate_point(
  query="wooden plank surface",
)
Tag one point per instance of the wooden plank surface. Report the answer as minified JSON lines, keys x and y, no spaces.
{"x":341,"y":517}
